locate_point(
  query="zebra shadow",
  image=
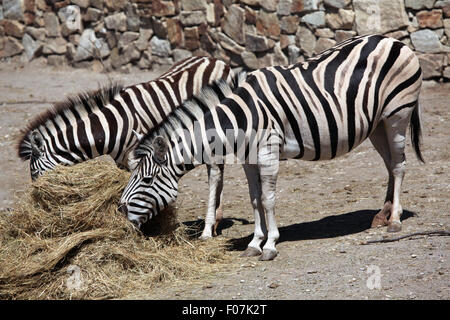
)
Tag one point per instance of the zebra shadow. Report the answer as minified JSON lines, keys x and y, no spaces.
{"x":195,"y":228}
{"x":325,"y":228}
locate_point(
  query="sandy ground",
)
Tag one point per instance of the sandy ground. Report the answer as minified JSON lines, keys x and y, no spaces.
{"x":324,"y":209}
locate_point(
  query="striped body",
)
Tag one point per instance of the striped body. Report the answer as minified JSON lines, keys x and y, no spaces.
{"x":365,"y":87}
{"x":102,"y":122}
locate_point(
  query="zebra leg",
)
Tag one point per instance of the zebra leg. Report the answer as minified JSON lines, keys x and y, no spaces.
{"x":380,"y":142}
{"x":396,"y":133}
{"x":254,"y":187}
{"x":268,"y":170}
{"x":214,"y":211}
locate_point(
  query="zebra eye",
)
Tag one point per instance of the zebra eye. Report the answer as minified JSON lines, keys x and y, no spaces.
{"x":147,"y":180}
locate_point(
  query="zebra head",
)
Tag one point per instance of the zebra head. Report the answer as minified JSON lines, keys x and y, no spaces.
{"x":153,"y":184}
{"x":39,"y":161}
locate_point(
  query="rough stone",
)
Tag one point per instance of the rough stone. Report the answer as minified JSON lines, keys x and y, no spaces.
{"x":305,"y":40}
{"x":81,"y":3}
{"x":144,"y":36}
{"x":447,"y":28}
{"x":160,"y":47}
{"x":12,"y":28}
{"x":126,"y":38}
{"x":419,"y":4}
{"x":255,"y":43}
{"x":284,"y":7}
{"x":286,"y":40}
{"x":92,"y":14}
{"x":430,"y":19}
{"x":269,"y":5}
{"x":52,"y":24}
{"x":342,"y":35}
{"x":91,"y":47}
{"x":191,"y":38}
{"x":175,"y":32}
{"x":146,"y":60}
{"x":426,"y":41}
{"x":266,"y":60}
{"x":130,"y":53}
{"x":228,"y":44}
{"x":323,"y":44}
{"x":233,"y":24}
{"x":289,"y":24}
{"x":279,"y":58}
{"x":116,"y":5}
{"x":304,"y":5}
{"x":31,"y":46}
{"x":97,"y":4}
{"x":56,"y":60}
{"x":70,"y":17}
{"x":338,"y":4}
{"x":315,"y":19}
{"x":211,"y":14}
{"x":324,"y":33}
{"x":160,"y":28}
{"x":180,"y":54}
{"x":400,"y":34}
{"x":133,"y":19}
{"x":268,"y":24}
{"x":432,"y":65}
{"x":293,"y":53}
{"x":250,"y":60}
{"x":163,"y":8}
{"x":55,"y":46}
{"x":446,"y":72}
{"x":116,"y":22}
{"x":193,"y":5}
{"x":13,"y":9}
{"x":9,"y":47}
{"x":379,"y":16}
{"x":192,"y":18}
{"x":342,"y":20}
{"x":36,"y":33}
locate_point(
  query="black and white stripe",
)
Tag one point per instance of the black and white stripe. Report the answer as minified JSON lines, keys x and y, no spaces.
{"x":102,"y":122}
{"x":365,"y":87}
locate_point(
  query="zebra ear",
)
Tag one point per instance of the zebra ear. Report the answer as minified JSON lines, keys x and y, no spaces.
{"x":160,"y":148}
{"x":138,"y":135}
{"x":37,"y":143}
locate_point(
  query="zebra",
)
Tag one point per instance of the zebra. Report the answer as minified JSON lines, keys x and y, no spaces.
{"x":365,"y":87}
{"x":110,"y":120}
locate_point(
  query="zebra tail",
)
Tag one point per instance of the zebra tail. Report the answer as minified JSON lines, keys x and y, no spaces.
{"x":416,"y":132}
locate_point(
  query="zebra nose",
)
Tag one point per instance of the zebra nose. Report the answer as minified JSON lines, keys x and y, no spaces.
{"x":123,"y":208}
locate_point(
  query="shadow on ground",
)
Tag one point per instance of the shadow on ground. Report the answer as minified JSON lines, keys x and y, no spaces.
{"x":328,"y":227}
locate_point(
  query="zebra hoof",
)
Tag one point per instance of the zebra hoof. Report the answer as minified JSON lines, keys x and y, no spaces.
{"x":394,"y":226}
{"x":205,"y":238}
{"x":381,"y":218}
{"x":268,"y":255}
{"x":251,"y":252}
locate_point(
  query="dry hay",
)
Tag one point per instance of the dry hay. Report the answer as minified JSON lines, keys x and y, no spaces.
{"x":66,"y":239}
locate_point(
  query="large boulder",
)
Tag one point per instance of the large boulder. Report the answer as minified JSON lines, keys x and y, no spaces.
{"x":379,"y":16}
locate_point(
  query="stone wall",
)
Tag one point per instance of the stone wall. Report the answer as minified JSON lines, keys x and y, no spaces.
{"x":119,"y":34}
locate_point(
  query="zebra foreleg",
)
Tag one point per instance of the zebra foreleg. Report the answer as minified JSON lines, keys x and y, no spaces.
{"x":214,"y":212}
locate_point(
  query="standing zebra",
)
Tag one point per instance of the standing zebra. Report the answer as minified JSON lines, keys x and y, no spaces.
{"x":365,"y":87}
{"x":103,"y":121}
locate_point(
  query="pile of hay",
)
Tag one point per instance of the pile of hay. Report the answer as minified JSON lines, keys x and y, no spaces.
{"x":66,"y":239}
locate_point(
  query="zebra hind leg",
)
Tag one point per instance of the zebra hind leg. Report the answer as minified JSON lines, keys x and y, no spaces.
{"x":380,"y":142}
{"x":254,"y":187}
{"x":396,"y":133}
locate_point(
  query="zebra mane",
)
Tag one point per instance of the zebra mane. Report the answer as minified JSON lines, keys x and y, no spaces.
{"x":94,"y":99}
{"x":188,"y":111}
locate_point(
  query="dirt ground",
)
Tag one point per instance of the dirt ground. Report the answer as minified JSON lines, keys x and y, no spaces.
{"x":324,"y":209}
